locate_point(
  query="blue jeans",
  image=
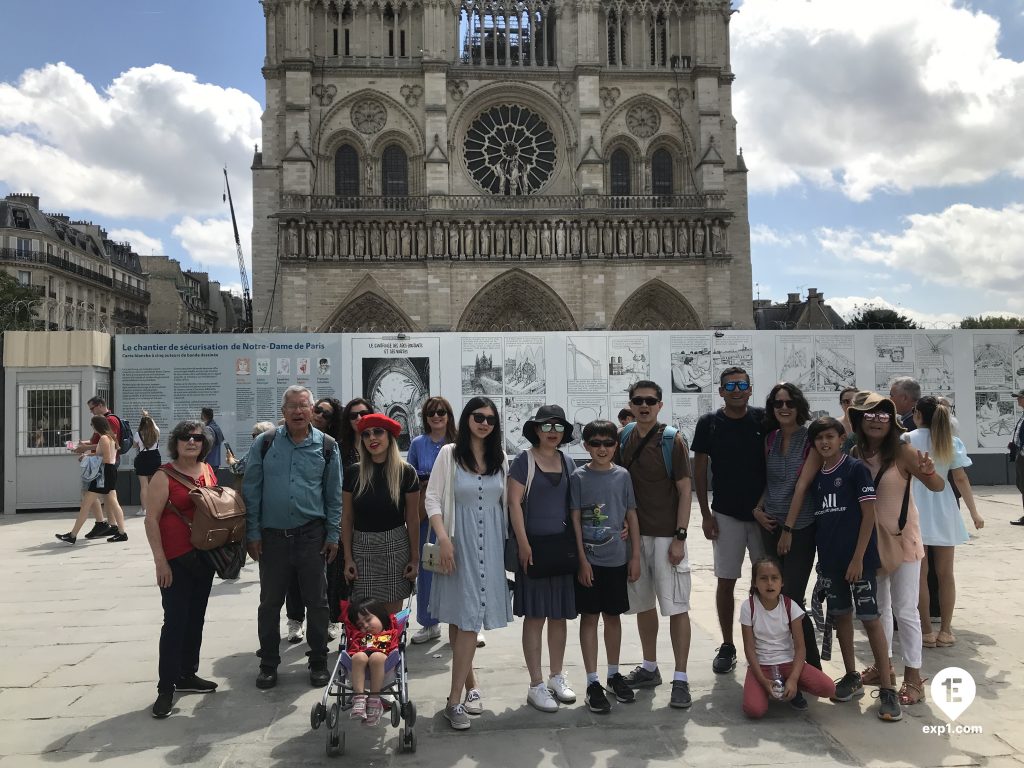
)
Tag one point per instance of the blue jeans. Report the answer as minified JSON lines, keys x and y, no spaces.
{"x":423,"y":581}
{"x":287,"y":553}
{"x":184,"y":604}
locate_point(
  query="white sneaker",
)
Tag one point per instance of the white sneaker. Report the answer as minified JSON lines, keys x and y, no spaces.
{"x":474,"y":702}
{"x":140,"y":513}
{"x":540,"y":698}
{"x":481,"y":641}
{"x":559,"y":686}
{"x":426,"y":634}
{"x":334,"y":630}
{"x":295,"y":633}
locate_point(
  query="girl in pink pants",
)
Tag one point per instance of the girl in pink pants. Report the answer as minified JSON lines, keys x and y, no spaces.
{"x":773,"y":641}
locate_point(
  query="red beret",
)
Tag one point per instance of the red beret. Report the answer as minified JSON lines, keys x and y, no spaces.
{"x":372,"y":420}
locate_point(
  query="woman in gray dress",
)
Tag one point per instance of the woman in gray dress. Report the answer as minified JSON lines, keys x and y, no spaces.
{"x":467,"y":487}
{"x":538,"y":503}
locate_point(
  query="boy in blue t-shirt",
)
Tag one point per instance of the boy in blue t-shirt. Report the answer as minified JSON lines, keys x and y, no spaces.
{"x":843,"y":494}
{"x":601,"y":504}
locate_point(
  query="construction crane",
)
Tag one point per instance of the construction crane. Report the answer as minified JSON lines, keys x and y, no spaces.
{"x":246,"y":296}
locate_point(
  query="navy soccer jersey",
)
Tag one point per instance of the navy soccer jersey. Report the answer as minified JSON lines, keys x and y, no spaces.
{"x":837,"y":495}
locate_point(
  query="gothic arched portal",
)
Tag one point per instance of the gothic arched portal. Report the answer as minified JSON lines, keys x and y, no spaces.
{"x":369,"y":311}
{"x":516,"y":301}
{"x":655,"y":306}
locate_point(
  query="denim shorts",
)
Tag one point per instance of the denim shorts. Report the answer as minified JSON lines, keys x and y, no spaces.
{"x":844,"y":597}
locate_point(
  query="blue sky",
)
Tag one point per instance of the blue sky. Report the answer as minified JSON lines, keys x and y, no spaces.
{"x":883,"y":139}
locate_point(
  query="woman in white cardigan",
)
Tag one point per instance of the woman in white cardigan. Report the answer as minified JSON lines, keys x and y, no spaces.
{"x":466,"y":505}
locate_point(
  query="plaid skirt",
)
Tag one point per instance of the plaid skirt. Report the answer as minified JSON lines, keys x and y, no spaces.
{"x":380,"y":557}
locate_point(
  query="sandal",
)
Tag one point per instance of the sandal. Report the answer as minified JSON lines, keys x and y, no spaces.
{"x":945,"y":639}
{"x":929,"y":640}
{"x":870,"y":676}
{"x":911,"y":693}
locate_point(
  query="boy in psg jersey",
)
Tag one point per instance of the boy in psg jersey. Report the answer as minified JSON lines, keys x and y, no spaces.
{"x":843,"y":494}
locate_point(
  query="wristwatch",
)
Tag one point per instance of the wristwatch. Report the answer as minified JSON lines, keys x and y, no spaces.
{"x":681,"y":534}
{"x":787,"y":528}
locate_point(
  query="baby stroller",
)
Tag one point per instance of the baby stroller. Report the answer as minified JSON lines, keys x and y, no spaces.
{"x":337,"y":696}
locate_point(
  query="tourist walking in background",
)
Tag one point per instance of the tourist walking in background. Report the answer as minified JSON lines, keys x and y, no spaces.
{"x":102,"y":484}
{"x":147,"y":455}
{"x":183,"y":576}
{"x":438,"y":431}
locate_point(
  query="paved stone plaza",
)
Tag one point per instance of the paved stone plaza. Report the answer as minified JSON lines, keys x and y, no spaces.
{"x":79,"y":636}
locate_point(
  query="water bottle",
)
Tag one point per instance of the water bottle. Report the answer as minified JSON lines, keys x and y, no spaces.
{"x":778,"y":684}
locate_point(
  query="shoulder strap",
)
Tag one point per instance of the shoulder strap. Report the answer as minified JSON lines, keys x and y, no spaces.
{"x":268,"y":440}
{"x":668,"y":437}
{"x":789,"y":609}
{"x":625,"y":433}
{"x":769,"y":442}
{"x":751,"y":598}
{"x":181,"y":477}
{"x":640,"y":446}
{"x":531,"y":470}
{"x":329,"y":445}
{"x":906,"y":503}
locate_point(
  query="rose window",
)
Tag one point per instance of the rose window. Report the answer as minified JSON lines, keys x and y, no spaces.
{"x":510,"y":150}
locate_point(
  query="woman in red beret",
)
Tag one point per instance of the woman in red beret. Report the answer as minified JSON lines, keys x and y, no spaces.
{"x":380,"y":524}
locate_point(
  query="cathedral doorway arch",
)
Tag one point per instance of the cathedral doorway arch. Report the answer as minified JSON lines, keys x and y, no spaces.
{"x":656,"y":306}
{"x":368,"y":308}
{"x":516,"y":301}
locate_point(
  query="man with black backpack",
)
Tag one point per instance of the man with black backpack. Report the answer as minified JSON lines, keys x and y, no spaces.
{"x":113,"y":527}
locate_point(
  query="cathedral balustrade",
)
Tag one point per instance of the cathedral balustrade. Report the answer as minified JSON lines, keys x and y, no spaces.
{"x":531,"y":237}
{"x":712,"y":201}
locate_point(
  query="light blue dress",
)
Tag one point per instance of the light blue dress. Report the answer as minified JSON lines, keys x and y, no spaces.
{"x":476,"y":595}
{"x":941,"y":522}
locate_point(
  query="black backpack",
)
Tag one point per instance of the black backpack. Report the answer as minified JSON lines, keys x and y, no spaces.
{"x":125,"y":436}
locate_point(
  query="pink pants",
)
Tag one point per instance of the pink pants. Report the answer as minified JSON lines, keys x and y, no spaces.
{"x":812,"y":681}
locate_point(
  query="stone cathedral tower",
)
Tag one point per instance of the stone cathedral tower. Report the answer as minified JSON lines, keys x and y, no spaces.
{"x":492,"y":165}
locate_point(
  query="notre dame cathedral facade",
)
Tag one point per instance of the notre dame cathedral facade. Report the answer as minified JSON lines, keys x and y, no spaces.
{"x":492,"y":165}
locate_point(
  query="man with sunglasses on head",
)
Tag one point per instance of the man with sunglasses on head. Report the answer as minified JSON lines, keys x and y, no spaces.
{"x":731,"y":440}
{"x":658,"y":462}
{"x":292,"y":496}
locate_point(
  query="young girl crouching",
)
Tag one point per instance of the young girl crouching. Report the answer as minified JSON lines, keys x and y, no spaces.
{"x":773,"y":641}
{"x":369,"y":647}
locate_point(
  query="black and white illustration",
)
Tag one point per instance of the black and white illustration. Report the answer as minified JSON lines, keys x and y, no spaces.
{"x":823,"y":404}
{"x":516,"y":411}
{"x":629,"y":361}
{"x":1018,"y":364}
{"x":582,"y":410}
{"x":894,"y":356}
{"x":284,"y":366}
{"x":834,"y":368}
{"x":686,"y":409}
{"x":795,"y":358}
{"x":733,"y":350}
{"x":262,"y":366}
{"x":482,"y":368}
{"x":934,"y":361}
{"x":586,"y":365}
{"x":691,"y":363}
{"x":993,"y":363}
{"x":524,"y":370}
{"x":995,"y":418}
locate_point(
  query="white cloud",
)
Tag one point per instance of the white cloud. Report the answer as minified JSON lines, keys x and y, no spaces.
{"x":210,"y":242}
{"x":874,"y":95}
{"x":847,"y":306}
{"x":962,"y":246}
{"x":762,"y":234}
{"x":140,"y":242}
{"x":151,"y":145}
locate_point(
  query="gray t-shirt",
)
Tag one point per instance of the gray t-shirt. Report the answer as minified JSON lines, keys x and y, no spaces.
{"x":603,"y":499}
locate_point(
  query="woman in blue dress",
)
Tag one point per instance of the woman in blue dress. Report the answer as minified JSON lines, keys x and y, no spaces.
{"x":466,"y":507}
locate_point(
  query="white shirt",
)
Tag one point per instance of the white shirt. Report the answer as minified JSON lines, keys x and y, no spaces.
{"x":773,"y":638}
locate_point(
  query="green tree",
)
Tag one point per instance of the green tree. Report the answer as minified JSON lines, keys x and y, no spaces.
{"x":877,"y":318}
{"x":991,"y":322}
{"x":16,"y":305}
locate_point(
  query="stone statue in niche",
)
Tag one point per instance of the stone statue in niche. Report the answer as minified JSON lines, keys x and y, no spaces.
{"x":328,"y":241}
{"x":374,"y":240}
{"x":698,"y":237}
{"x":292,"y":247}
{"x":607,"y":239}
{"x":682,"y":238}
{"x":653,"y":248}
{"x":531,"y":240}
{"x":310,"y":242}
{"x":545,"y":240}
{"x":485,"y":240}
{"x":437,"y":248}
{"x":716,"y":237}
{"x":638,"y":239}
{"x":622,"y":248}
{"x":453,"y":240}
{"x":390,"y":241}
{"x":359,"y":242}
{"x":421,"y":240}
{"x":469,"y":240}
{"x":574,"y":240}
{"x":406,"y":239}
{"x":593,"y":237}
{"x":499,"y":242}
{"x":560,"y":238}
{"x":667,"y":244}
{"x":343,"y":235}
{"x":515,"y":240}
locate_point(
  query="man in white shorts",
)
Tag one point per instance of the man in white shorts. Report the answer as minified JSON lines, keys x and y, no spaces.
{"x":662,"y":491}
{"x":732,"y":440}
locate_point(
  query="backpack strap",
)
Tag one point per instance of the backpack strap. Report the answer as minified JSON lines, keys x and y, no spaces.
{"x":668,"y":437}
{"x":751,"y":598}
{"x":789,"y":609}
{"x":769,"y":442}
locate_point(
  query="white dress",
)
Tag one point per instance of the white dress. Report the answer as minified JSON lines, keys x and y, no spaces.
{"x":941,"y":522}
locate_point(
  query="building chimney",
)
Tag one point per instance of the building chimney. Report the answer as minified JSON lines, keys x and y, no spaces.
{"x":26,"y":198}
{"x":794,"y":298}
{"x":814,"y":297}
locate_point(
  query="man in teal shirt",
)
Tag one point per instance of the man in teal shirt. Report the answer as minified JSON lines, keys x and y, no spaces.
{"x":292,"y":496}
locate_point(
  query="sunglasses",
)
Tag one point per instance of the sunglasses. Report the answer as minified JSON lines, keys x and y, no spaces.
{"x":548,"y":427}
{"x":879,"y":416}
{"x":374,"y":432}
{"x":438,"y":412}
{"x":732,"y":386}
{"x":480,"y":418}
{"x":601,"y":443}
{"x":356,"y":415}
{"x":644,"y":400}
{"x":323,"y":411}
{"x":193,"y":438}
{"x":780,"y":404}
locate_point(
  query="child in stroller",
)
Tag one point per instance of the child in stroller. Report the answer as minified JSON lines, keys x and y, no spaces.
{"x":370,"y":643}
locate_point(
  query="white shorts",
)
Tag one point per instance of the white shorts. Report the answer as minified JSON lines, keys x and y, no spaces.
{"x":734,"y":538}
{"x":660,"y":579}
